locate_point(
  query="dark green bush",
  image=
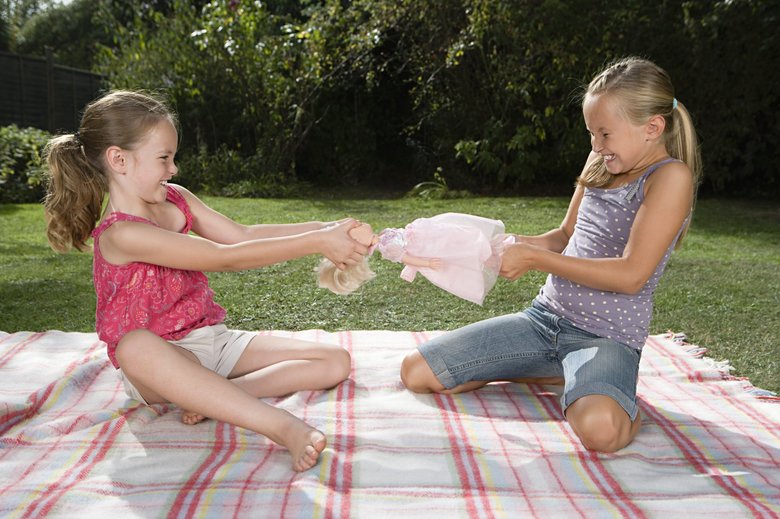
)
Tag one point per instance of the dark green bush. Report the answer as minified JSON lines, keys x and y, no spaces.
{"x":385,"y":92}
{"x":21,"y":170}
{"x":226,"y":173}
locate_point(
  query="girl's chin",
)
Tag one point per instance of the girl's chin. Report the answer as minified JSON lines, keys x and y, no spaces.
{"x":613,"y":168}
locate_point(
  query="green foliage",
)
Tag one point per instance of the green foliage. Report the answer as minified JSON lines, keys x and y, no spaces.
{"x":67,"y":29}
{"x":21,"y":169}
{"x":5,"y":35}
{"x":226,"y":173}
{"x":732,"y":78}
{"x":233,"y":71}
{"x":381,"y":92}
{"x":436,"y":189}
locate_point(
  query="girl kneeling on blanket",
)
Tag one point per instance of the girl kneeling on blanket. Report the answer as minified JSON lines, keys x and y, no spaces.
{"x":155,"y":310}
{"x":587,"y":326}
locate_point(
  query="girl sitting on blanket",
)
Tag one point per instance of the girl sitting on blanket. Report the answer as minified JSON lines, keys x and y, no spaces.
{"x":587,"y":326}
{"x":459,"y":253}
{"x":155,"y":310}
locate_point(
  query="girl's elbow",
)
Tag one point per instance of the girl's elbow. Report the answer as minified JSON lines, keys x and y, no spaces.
{"x":634,"y":284}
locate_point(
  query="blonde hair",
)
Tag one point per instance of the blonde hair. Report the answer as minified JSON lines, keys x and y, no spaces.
{"x":345,"y":281}
{"x":77,"y":182}
{"x":643,"y":89}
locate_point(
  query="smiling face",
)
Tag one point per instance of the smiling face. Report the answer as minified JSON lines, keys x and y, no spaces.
{"x":622,"y":144}
{"x":151,"y":164}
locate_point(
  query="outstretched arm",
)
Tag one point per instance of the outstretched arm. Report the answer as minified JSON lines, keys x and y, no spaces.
{"x":239,"y":248}
{"x":215,"y":226}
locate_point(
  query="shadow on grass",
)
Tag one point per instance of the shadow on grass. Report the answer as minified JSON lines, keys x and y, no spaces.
{"x":7,"y":209}
{"x":37,"y":304}
{"x":736,"y":217}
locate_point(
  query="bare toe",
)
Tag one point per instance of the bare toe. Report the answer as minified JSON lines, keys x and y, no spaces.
{"x":191,"y":418}
{"x":308,"y":456}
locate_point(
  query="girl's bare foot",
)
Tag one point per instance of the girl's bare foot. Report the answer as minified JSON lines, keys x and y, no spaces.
{"x":304,"y":442}
{"x":191,"y":418}
{"x":311,"y":452}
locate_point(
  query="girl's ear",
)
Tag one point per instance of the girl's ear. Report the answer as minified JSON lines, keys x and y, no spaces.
{"x":116,"y":159}
{"x":655,"y":127}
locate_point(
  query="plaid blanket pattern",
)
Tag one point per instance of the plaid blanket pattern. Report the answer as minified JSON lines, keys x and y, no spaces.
{"x":72,"y":444}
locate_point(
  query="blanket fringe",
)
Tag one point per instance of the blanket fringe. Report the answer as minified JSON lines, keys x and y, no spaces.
{"x":723,"y":367}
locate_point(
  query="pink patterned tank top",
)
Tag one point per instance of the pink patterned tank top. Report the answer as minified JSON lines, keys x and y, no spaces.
{"x":167,"y":301}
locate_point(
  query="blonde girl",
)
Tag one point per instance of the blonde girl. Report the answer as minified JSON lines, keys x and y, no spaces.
{"x":586,"y":328}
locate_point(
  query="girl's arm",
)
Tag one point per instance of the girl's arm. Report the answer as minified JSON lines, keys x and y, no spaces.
{"x":214,"y":226}
{"x":126,"y":242}
{"x":556,"y":240}
{"x":667,"y":203}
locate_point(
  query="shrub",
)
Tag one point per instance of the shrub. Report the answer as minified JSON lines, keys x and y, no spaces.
{"x":226,"y":173}
{"x":21,"y":169}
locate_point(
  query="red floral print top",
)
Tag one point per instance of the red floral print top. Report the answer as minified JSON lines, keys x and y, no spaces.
{"x":167,"y":301}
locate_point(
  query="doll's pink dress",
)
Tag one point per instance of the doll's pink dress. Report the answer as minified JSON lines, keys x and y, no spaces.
{"x":468,"y":246}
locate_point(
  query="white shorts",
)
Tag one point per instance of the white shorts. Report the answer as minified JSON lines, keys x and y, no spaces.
{"x":216,"y":347}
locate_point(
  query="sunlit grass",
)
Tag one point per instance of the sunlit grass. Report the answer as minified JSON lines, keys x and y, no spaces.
{"x":722,"y":288}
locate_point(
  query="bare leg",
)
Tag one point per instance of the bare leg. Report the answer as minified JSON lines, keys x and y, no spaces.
{"x":174,"y":375}
{"x":277,"y":366}
{"x":601,"y":423}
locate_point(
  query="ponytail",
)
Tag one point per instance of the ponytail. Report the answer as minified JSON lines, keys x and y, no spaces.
{"x":74,"y":195}
{"x":682,"y":144}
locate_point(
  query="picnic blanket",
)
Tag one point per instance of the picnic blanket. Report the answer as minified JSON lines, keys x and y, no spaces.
{"x":73,"y":445}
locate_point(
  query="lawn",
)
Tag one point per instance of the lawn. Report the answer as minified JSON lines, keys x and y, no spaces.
{"x":722,"y":288}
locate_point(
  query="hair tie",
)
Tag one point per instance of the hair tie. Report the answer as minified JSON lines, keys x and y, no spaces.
{"x":674,"y":103}
{"x":77,"y":137}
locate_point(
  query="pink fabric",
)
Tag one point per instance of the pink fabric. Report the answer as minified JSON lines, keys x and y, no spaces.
{"x":469,"y":247}
{"x":167,"y":301}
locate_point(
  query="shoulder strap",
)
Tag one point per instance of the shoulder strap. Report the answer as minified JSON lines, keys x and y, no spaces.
{"x":175,"y":197}
{"x":638,"y":183}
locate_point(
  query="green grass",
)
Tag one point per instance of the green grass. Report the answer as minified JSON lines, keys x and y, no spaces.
{"x":722,"y":288}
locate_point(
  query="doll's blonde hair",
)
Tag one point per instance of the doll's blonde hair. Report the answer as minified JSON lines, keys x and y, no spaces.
{"x":345,"y":281}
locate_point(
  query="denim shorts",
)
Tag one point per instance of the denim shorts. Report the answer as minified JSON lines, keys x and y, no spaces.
{"x":216,"y":347}
{"x":537,"y":343}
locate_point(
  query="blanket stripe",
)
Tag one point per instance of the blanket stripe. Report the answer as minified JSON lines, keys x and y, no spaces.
{"x":338,"y":502}
{"x":73,"y":445}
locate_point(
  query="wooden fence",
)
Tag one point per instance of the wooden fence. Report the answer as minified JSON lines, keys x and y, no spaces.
{"x":36,"y":92}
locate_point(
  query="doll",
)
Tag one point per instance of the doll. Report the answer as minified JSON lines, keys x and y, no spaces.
{"x":459,"y":253}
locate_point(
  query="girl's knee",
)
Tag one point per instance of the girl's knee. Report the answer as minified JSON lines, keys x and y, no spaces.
{"x":417,"y":376}
{"x":135,"y":348}
{"x":602,"y":428}
{"x":341,"y":361}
